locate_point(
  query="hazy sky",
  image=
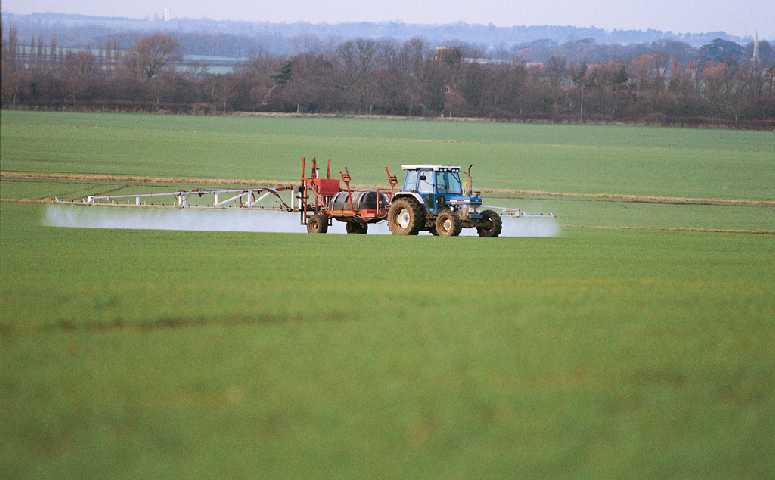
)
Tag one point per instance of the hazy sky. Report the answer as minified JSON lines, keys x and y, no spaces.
{"x":733,"y":16}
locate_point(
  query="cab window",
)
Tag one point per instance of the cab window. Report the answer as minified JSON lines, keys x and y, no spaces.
{"x":410,"y":181}
{"x":426,"y":182}
{"x":448,"y":182}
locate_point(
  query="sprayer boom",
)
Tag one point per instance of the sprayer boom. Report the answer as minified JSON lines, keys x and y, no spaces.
{"x":221,"y":198}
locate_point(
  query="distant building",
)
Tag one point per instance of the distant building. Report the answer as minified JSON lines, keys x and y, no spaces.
{"x":487,"y":61}
{"x":450,"y":55}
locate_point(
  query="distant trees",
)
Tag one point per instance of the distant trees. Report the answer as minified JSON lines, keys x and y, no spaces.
{"x":721,"y":51}
{"x":666,"y":82}
{"x":8,"y":66}
{"x":79,"y":73}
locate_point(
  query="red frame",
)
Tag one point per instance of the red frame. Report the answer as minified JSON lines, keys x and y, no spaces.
{"x":324,"y":189}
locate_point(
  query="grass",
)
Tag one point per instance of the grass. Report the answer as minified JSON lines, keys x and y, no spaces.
{"x":595,"y":354}
{"x":630,"y":160}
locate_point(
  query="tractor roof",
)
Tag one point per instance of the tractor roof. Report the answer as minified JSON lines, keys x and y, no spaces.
{"x":435,"y":168}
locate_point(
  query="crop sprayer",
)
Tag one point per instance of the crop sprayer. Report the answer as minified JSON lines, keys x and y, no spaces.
{"x":431,"y":198}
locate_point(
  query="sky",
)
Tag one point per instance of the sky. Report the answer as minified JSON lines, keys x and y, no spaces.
{"x":740,"y":17}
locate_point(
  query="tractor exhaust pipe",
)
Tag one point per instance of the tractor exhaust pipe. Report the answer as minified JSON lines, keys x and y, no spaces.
{"x":469,"y":183}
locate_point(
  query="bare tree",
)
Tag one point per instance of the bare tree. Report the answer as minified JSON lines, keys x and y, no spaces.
{"x":79,"y":70}
{"x":9,"y":73}
{"x":152,"y":54}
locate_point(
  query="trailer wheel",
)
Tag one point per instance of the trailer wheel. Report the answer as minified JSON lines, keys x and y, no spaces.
{"x":448,"y":224}
{"x":406,"y":216}
{"x":490,"y":225}
{"x":356,"y":227}
{"x":432,"y":230}
{"x":317,"y":224}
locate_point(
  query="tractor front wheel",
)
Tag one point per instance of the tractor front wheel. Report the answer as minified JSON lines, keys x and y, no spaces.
{"x":490,"y":225}
{"x":356,"y":227}
{"x":448,"y":224}
{"x":317,"y":224}
{"x":406,"y":216}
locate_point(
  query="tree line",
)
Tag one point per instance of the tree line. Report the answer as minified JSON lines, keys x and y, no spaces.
{"x":720,"y":83}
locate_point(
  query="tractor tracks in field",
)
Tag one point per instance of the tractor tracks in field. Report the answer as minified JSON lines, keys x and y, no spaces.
{"x":671,"y":229}
{"x":9,"y":330}
{"x":623,"y":198}
{"x":129,"y":180}
{"x":137,"y":179}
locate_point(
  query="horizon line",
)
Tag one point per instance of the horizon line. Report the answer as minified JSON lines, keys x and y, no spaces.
{"x":396,"y":21}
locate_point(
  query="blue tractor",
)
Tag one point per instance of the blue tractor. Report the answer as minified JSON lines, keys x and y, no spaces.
{"x":434,"y":199}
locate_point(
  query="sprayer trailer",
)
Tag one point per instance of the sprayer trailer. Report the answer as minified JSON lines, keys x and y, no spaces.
{"x":321,"y":200}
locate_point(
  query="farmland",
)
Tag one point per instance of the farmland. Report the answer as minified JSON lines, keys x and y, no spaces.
{"x":629,"y":160}
{"x":625,"y":347}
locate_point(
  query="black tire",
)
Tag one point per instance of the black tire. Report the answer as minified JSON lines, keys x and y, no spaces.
{"x":317,"y":224}
{"x":406,"y":216}
{"x":356,"y":227}
{"x":448,"y":224}
{"x":432,"y":230}
{"x":490,"y":225}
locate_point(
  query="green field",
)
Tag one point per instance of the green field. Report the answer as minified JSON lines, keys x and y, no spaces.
{"x":620,"y":349}
{"x":704,"y":163}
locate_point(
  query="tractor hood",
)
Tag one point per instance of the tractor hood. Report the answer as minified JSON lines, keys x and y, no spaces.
{"x":463,"y":200}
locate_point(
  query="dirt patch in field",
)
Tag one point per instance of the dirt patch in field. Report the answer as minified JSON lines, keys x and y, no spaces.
{"x":231,"y":396}
{"x":499,"y":192}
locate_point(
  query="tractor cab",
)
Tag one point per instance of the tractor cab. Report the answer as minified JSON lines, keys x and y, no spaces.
{"x":439,"y":187}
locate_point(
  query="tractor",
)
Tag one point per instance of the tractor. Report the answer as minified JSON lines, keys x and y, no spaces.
{"x":434,"y":199}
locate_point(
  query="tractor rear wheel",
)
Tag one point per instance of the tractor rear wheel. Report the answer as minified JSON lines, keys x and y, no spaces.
{"x":356,"y":227}
{"x":406,"y":216}
{"x":317,"y":224}
{"x":448,"y":224}
{"x":490,"y":225}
